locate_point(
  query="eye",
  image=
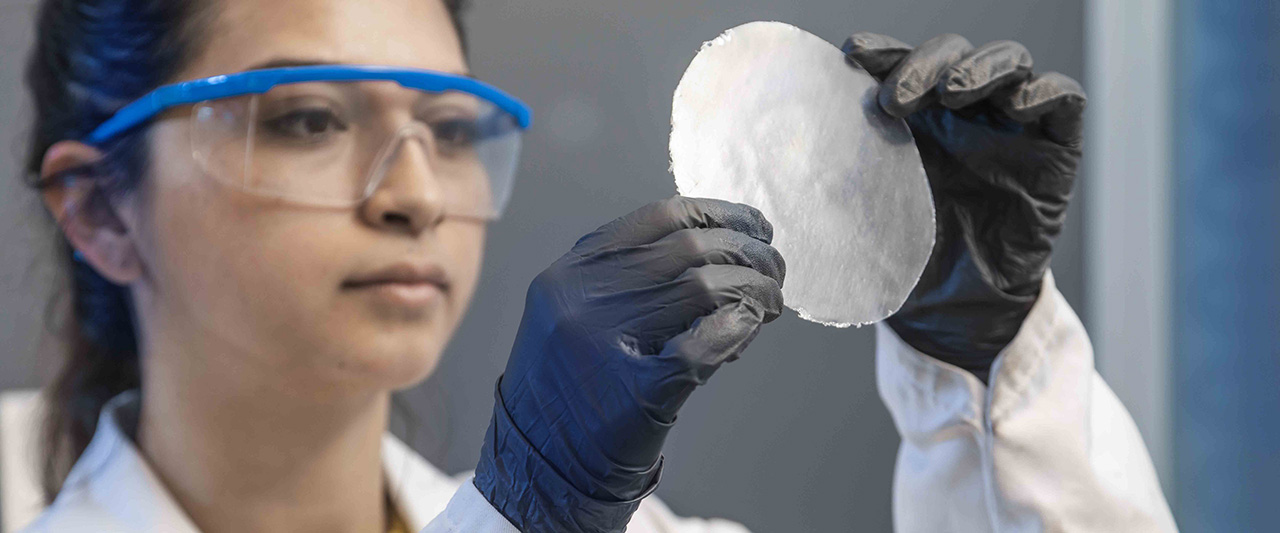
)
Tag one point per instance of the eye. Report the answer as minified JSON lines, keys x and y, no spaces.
{"x":456,"y":133}
{"x":306,"y":124}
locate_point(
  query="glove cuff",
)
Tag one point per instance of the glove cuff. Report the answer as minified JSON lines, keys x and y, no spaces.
{"x":532,"y":494}
{"x":965,"y":321}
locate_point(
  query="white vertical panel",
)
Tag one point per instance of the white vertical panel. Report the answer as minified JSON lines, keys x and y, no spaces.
{"x":1127,"y":240}
{"x":21,"y":499}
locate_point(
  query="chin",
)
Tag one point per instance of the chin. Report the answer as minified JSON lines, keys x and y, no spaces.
{"x":401,"y":359}
{"x":374,"y":347}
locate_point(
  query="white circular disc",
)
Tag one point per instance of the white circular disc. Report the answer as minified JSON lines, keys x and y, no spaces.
{"x":774,"y":117}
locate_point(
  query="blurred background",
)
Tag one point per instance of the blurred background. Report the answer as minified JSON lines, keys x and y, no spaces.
{"x":1171,"y":254}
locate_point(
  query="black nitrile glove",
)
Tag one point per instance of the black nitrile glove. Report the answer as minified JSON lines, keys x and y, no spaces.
{"x":615,"y":336}
{"x":1001,"y":148}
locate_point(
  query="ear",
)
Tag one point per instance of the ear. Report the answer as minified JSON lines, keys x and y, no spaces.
{"x":85,"y":214}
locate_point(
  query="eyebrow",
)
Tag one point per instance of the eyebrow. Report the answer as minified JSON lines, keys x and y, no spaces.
{"x":284,"y":62}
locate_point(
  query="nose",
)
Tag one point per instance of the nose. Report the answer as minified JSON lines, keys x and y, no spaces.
{"x":407,"y":195}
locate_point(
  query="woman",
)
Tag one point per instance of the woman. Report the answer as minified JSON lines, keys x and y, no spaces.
{"x":276,"y":212}
{"x":256,"y":272}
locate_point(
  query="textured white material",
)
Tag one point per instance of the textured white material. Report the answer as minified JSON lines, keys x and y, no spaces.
{"x":775,"y":117}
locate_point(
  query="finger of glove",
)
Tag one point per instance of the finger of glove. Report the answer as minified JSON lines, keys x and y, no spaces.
{"x":983,"y":71}
{"x":689,"y":359}
{"x":658,"y":219}
{"x":875,"y":53}
{"x":913,"y":83}
{"x":695,"y":247}
{"x":667,"y":309}
{"x":1055,"y":99}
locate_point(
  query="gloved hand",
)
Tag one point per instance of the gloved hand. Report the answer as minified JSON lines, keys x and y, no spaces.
{"x":615,"y":336}
{"x":1001,"y":148}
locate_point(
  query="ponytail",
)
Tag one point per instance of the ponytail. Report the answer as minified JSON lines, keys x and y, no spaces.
{"x":102,"y":361}
{"x":92,"y":57}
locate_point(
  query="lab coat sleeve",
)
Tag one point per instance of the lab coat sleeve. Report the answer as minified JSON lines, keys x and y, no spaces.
{"x":469,"y":511}
{"x":1047,"y":447}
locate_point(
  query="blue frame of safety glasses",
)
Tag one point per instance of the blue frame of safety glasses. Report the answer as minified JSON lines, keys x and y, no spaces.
{"x":261,"y":81}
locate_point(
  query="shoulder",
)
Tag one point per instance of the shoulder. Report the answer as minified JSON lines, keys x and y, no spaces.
{"x":111,"y":488}
{"x":73,"y":512}
{"x":20,"y":494}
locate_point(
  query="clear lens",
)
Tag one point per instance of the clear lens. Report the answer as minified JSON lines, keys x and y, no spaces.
{"x":335,"y":143}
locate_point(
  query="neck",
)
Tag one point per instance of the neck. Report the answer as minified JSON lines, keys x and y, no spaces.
{"x":239,"y":454}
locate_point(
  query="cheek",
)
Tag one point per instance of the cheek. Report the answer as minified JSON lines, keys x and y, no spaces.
{"x":244,"y":272}
{"x":224,"y":266}
{"x":463,"y":244}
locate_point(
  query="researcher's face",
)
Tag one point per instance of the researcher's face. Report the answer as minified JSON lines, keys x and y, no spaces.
{"x":273,"y":280}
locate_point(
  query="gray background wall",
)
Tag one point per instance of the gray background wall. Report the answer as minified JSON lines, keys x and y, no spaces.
{"x":790,"y":438}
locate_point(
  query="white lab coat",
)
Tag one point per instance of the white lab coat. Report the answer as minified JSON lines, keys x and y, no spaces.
{"x":1047,"y":447}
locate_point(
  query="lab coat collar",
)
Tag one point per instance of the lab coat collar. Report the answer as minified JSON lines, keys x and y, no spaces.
{"x":113,"y":472}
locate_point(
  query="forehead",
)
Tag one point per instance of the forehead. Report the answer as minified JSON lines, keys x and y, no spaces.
{"x":409,"y":33}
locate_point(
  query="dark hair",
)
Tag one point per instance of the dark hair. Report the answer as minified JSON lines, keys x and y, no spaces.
{"x":92,"y":57}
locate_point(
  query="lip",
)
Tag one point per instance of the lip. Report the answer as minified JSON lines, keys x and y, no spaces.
{"x":406,"y":282}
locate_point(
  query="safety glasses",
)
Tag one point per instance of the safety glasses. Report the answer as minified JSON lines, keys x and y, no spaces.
{"x":330,"y":135}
